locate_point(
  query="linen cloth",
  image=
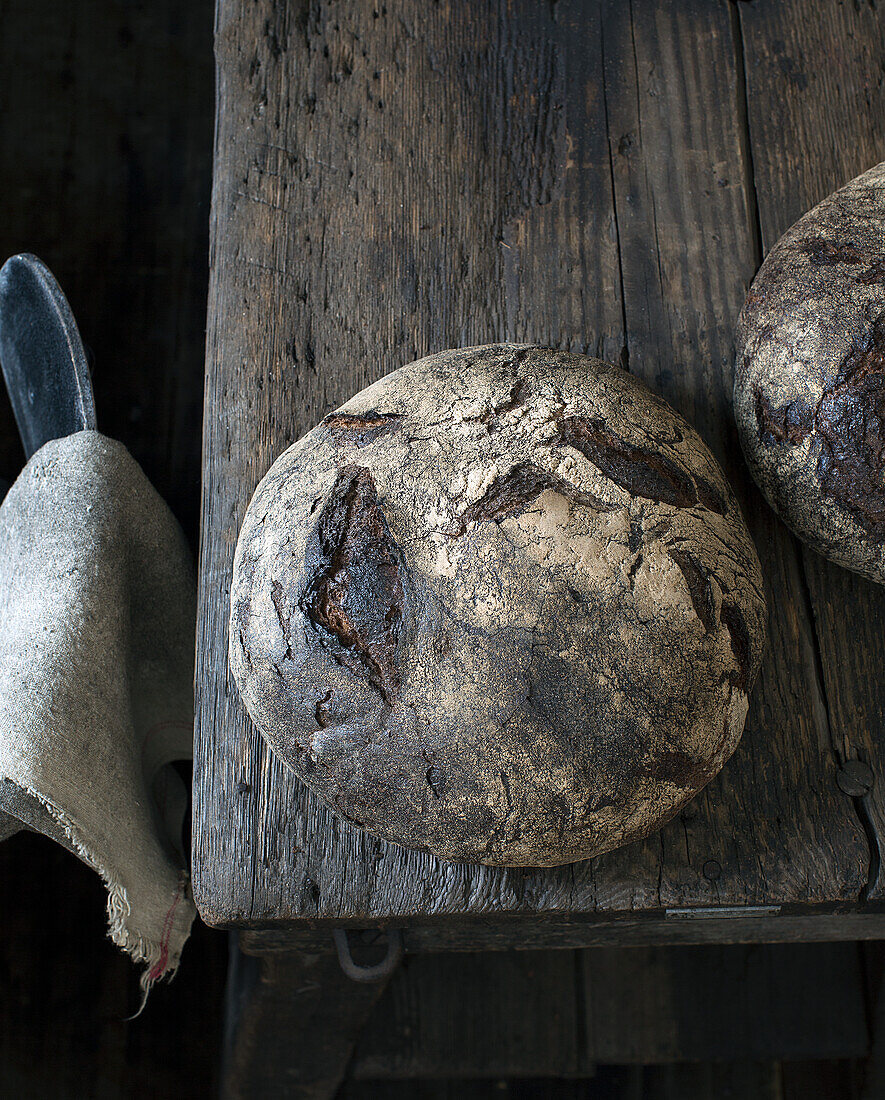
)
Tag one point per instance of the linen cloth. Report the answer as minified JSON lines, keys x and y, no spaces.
{"x":97,"y":620}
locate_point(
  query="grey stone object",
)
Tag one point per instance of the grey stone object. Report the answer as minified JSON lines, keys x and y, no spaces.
{"x":501,"y":606}
{"x":809,"y":396}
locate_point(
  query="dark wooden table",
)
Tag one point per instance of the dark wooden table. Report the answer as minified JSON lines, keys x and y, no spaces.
{"x":397,"y":178}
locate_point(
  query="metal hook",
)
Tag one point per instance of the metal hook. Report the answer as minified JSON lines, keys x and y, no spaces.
{"x":380,"y":971}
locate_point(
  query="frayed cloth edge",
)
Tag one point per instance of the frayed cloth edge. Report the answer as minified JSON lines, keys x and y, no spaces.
{"x":159,"y":963}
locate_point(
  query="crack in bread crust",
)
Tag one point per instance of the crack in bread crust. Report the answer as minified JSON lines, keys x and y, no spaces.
{"x":356,"y":595}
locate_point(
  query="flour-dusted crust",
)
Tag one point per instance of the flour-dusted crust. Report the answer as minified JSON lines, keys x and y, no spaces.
{"x":501,"y":606}
{"x":810,"y":376}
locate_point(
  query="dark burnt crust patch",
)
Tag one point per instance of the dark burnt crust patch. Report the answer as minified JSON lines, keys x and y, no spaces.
{"x":699,"y":587}
{"x":321,"y":711}
{"x":849,"y":424}
{"x":789,"y":424}
{"x":519,"y":393}
{"x":709,"y":496}
{"x":355,"y":599}
{"x":733,"y":620}
{"x":676,"y":767}
{"x":361,"y":428}
{"x":824,"y":253}
{"x":755,"y":296}
{"x":513,"y":492}
{"x":641,"y":472}
{"x":850,"y":421}
{"x":875,"y":273}
{"x":284,"y":618}
{"x":697,"y":579}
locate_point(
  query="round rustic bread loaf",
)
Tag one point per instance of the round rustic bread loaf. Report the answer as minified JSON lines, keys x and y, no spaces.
{"x":501,"y":606}
{"x":810,"y":376}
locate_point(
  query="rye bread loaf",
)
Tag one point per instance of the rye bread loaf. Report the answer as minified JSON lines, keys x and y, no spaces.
{"x":809,"y":393}
{"x":501,"y":606}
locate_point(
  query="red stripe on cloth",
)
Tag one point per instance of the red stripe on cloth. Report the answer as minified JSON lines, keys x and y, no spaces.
{"x":159,"y":967}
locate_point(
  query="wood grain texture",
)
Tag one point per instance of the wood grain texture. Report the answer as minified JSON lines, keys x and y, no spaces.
{"x":557,"y":1013}
{"x":828,"y":1080}
{"x":292,"y":1021}
{"x":673,"y":80}
{"x":704,"y":1081}
{"x":394,"y":181}
{"x":668,"y":927}
{"x":816,"y":97}
{"x":496,"y":1014}
{"x":724,"y":1003}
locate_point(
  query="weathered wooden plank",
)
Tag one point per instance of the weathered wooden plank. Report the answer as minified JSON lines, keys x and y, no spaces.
{"x":292,"y":1021}
{"x":704,"y":1081}
{"x":773,"y":826}
{"x":711,"y":1081}
{"x":680,"y":927}
{"x":392,"y":182}
{"x":503,"y":1014}
{"x":816,"y":105}
{"x":824,"y":1080}
{"x":732,"y":1003}
{"x":551,"y":1089}
{"x":523,"y":933}
{"x":377,"y":175}
{"x":556,"y":1013}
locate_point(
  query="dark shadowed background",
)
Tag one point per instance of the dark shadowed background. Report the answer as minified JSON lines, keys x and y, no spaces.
{"x":106,"y":119}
